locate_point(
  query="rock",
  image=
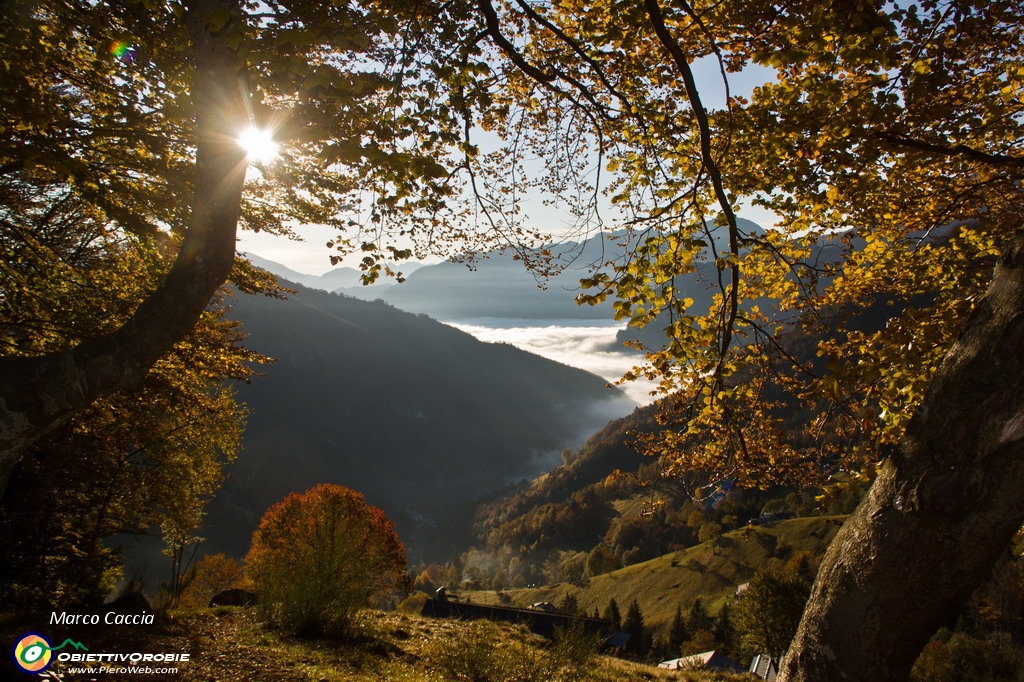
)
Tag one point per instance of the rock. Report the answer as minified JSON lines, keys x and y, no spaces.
{"x":234,"y":597}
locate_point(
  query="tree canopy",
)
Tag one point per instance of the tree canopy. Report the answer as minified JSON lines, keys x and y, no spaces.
{"x":884,"y":302}
{"x":886,"y":145}
{"x":318,"y":557}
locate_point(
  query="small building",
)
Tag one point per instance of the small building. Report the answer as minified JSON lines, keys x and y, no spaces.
{"x":765,"y":667}
{"x":709,"y":660}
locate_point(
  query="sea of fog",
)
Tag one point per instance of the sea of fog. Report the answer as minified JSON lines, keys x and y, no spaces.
{"x":587,"y":344}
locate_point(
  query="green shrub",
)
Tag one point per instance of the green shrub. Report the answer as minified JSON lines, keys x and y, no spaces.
{"x":413,"y":604}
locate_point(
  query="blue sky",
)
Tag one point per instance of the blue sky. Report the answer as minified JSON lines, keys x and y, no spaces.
{"x":311,"y":256}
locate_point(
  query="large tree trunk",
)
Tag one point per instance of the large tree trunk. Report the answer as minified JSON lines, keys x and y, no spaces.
{"x":38,"y":394}
{"x":943,"y":509}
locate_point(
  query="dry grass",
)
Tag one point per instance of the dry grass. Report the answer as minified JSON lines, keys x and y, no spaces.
{"x":711,"y":573}
{"x":229,"y":644}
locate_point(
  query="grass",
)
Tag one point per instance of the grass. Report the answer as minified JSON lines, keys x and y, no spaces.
{"x":231,"y":644}
{"x":228,"y":643}
{"x":706,"y":571}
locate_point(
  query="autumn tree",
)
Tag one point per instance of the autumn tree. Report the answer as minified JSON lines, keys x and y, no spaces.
{"x":135,"y":462}
{"x":880,"y":314}
{"x":82,"y":127}
{"x":139,"y":128}
{"x":318,"y":557}
{"x":211,"y":575}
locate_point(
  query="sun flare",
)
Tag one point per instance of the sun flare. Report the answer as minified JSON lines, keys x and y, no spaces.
{"x":258,"y":143}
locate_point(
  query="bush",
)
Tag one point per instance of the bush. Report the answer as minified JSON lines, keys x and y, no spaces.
{"x":485,"y":652}
{"x":319,"y":557}
{"x":413,"y":604}
{"x":213,"y":574}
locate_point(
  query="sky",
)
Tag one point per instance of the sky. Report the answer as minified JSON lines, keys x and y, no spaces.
{"x":311,"y":255}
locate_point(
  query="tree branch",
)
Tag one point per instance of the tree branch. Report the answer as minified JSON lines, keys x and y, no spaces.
{"x":951,"y":150}
{"x":731,"y":309}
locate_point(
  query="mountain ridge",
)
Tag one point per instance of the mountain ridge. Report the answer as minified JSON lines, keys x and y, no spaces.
{"x":417,"y":415}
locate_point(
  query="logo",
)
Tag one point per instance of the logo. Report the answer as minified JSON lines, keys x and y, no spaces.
{"x":33,"y":653}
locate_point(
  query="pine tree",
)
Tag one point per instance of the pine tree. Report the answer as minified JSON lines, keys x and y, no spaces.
{"x":697,"y":617}
{"x":677,"y":634}
{"x":634,"y":627}
{"x":612,"y":615}
{"x":724,"y":631}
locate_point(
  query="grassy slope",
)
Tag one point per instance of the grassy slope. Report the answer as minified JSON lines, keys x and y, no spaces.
{"x":229,"y":644}
{"x":659,"y":585}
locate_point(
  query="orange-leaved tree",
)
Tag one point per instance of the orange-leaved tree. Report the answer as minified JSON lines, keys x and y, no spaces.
{"x":212,"y":574}
{"x":319,"y":557}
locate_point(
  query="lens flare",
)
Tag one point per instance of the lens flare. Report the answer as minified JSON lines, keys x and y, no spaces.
{"x":123,"y":52}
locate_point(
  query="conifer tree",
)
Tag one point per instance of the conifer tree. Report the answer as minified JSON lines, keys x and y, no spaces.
{"x":633,"y":625}
{"x":697,"y":617}
{"x":725,"y":632}
{"x":677,"y":633}
{"x":612,"y":614}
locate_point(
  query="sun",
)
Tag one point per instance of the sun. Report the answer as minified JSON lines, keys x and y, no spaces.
{"x":258,"y":143}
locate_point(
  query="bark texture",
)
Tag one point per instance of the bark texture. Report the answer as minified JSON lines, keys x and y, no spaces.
{"x":943,"y":509}
{"x":38,"y":394}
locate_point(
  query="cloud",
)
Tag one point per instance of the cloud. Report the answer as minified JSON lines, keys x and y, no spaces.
{"x":581,"y":344}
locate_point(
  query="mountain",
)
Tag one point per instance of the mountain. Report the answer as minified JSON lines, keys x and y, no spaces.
{"x":343,"y":278}
{"x":498,"y":285}
{"x":605,"y":507}
{"x":420,"y":417}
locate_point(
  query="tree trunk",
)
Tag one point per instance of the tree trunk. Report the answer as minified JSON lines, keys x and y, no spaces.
{"x":37,"y":394}
{"x":943,"y":509}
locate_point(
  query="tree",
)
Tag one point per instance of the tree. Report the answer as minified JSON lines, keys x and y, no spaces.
{"x":318,"y":557}
{"x":44,"y":156}
{"x":677,"y":635}
{"x":131,"y":462}
{"x":613,"y":615}
{"x":633,"y":625}
{"x":725,"y":631}
{"x":768,"y":615}
{"x":139,"y":127}
{"x":211,"y":575}
{"x":888,"y":144}
{"x":697,"y":617}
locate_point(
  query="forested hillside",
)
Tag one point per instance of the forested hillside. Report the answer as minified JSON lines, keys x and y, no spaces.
{"x":420,"y":417}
